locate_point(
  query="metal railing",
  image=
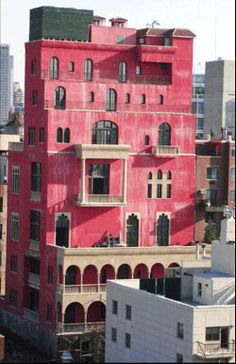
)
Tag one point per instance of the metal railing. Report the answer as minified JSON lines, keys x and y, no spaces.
{"x":215,"y":349}
{"x":16,"y":146}
{"x":81,"y":327}
{"x":30,"y":314}
{"x":34,"y":279}
{"x":103,"y":76}
{"x":89,"y":288}
{"x":34,"y":245}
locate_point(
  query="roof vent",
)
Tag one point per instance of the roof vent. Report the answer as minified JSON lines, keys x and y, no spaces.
{"x":99,"y":20}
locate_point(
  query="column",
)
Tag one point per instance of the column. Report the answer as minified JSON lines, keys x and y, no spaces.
{"x":82,"y":192}
{"x":124,"y":181}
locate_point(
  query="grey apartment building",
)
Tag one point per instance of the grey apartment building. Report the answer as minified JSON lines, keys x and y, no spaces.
{"x":6,"y":82}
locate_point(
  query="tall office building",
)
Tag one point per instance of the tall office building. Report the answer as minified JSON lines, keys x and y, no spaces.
{"x":220,"y":97}
{"x":6,"y":82}
{"x":198,"y":103}
{"x":108,"y":160}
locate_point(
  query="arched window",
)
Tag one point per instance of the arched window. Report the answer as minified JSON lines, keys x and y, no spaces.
{"x":59,"y":135}
{"x":67,"y":135}
{"x":146,"y":140}
{"x":60,"y":98}
{"x":138,"y":70}
{"x":169,"y":175}
{"x":105,"y":132}
{"x":163,"y":230}
{"x":164,"y":135}
{"x":88,"y":70}
{"x":35,"y":98}
{"x":132,"y":230}
{"x":122,"y":72}
{"x":71,"y":67}
{"x":62,"y":231}
{"x":160,"y":100}
{"x":143,"y":99}
{"x":91,"y":96}
{"x":127,"y":98}
{"x":159,"y":174}
{"x":150,"y":175}
{"x":54,"y":68}
{"x":111,"y":100}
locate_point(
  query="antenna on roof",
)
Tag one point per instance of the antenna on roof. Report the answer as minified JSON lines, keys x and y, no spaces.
{"x":155,"y":22}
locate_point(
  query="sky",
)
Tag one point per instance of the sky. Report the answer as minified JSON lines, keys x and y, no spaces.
{"x":213,"y":22}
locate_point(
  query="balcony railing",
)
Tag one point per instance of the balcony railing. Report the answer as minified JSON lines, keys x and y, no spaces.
{"x":73,"y":289}
{"x":34,"y":280}
{"x":103,"y":76}
{"x":81,"y":327}
{"x":100,"y":200}
{"x":16,"y":147}
{"x":102,"y":106}
{"x":215,"y":350}
{"x":31,"y":315}
{"x":165,"y":150}
{"x":34,"y":245}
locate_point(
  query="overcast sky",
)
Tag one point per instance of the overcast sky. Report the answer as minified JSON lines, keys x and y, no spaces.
{"x":213,"y":22}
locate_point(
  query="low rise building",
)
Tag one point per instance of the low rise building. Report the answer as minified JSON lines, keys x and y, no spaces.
{"x":193,"y":324}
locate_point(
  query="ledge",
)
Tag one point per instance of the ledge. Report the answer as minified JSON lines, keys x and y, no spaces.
{"x":102,"y":151}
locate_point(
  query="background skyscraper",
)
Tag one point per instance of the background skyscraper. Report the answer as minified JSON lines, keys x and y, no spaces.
{"x":6,"y":82}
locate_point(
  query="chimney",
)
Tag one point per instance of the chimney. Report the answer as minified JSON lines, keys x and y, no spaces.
{"x":118,"y":22}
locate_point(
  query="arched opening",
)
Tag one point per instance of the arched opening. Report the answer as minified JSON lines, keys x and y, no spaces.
{"x":160,"y":100}
{"x":74,"y":313}
{"x":141,"y":271}
{"x":138,"y":70}
{"x":73,"y":276}
{"x":90,"y":275}
{"x":122,"y":72}
{"x":105,"y":132}
{"x":143,"y":99}
{"x":88,"y":70}
{"x":54,"y":68}
{"x":163,"y":230}
{"x":159,"y":174}
{"x":60,"y":98}
{"x":164,"y":134}
{"x":96,"y":312}
{"x":91,"y":96}
{"x":62,"y":231}
{"x":169,"y":175}
{"x":67,"y":135}
{"x":132,"y":230}
{"x":157,"y":271}
{"x":59,"y":135}
{"x":71,"y":67}
{"x":149,"y":175}
{"x":111,"y":100}
{"x":124,"y":272}
{"x":174,"y":265}
{"x":127,"y":98}
{"x":107,"y":272}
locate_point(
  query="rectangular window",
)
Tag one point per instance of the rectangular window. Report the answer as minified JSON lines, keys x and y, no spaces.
{"x":179,"y":358}
{"x":35,"y":98}
{"x":159,"y":190}
{"x":212,"y":173}
{"x":13,"y":298}
{"x":49,"y":312}
{"x":31,"y":135}
{"x":50,"y":275}
{"x":200,"y":124}
{"x":233,"y":173}
{"x":0,"y":231}
{"x":15,"y":179}
{"x":164,"y":66}
{"x":146,"y":140}
{"x":149,"y":190}
{"x":35,"y":225}
{"x":41,"y":135}
{"x":212,"y":334}
{"x":199,"y":289}
{"x":211,"y":195}
{"x":233,"y":152}
{"x":200,"y":108}
{"x":114,"y":307}
{"x":15,"y":226}
{"x":168,"y":190}
{"x":194,"y":107}
{"x":127,"y":340}
{"x":180,"y":330}
{"x":1,"y":204}
{"x":14,"y":263}
{"x":35,"y":266}
{"x":113,"y":335}
{"x":36,"y":176}
{"x":128,"y":312}
{"x":33,"y":67}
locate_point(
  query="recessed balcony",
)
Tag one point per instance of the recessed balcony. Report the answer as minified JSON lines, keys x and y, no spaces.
{"x":81,"y":327}
{"x":215,"y":350}
{"x":34,"y":280}
{"x":165,"y":151}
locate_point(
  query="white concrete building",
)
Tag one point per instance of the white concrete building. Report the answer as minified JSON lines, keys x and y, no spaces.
{"x":6,"y":82}
{"x":144,"y":327}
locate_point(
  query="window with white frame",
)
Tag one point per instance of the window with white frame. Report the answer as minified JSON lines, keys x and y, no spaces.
{"x":212,"y":173}
{"x":15,"y":179}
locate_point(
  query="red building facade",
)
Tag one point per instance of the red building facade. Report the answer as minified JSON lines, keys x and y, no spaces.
{"x":108,"y":153}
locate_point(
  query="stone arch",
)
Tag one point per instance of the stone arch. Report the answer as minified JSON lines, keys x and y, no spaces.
{"x":96,"y":312}
{"x":74,"y":313}
{"x":73,"y":275}
{"x":90,"y":275}
{"x":124,"y":272}
{"x":141,"y":271}
{"x":107,"y":272}
{"x":157,"y":271}
{"x":174,"y":265}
